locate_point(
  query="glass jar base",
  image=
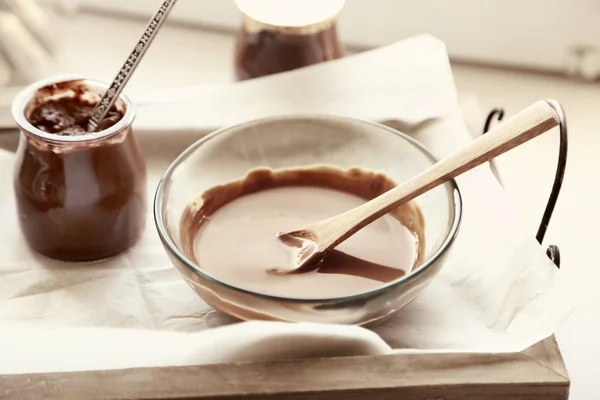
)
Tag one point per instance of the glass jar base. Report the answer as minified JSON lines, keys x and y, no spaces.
{"x":82,"y":260}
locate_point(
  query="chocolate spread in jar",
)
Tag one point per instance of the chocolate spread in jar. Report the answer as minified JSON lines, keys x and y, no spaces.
{"x":269,"y":52}
{"x":78,"y":200}
{"x":283,"y":35}
{"x":230,"y":231}
{"x":69,"y":116}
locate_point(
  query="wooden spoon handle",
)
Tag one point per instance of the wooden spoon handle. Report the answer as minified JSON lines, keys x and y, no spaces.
{"x":529,"y":123}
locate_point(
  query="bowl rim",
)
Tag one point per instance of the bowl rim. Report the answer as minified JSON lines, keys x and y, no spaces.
{"x":171,"y":247}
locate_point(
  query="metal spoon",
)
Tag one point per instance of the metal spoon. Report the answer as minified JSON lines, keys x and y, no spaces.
{"x":309,"y":244}
{"x":116,"y":87}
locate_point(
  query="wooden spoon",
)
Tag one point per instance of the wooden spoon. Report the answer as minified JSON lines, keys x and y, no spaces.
{"x":309,"y":244}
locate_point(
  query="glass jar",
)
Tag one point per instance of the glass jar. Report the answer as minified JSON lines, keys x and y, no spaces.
{"x":79,"y":198}
{"x":283,"y":35}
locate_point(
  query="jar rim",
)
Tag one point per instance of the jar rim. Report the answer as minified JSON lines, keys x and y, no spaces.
{"x":27,"y":94}
{"x":282,"y":14}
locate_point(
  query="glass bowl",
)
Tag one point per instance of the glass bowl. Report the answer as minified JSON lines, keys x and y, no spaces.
{"x":285,"y":142}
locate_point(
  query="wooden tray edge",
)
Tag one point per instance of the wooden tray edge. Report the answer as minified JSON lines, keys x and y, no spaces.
{"x":537,"y":372}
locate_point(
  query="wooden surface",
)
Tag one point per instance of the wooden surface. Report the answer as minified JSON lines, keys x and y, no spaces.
{"x":531,"y":122}
{"x":548,"y":353}
{"x":515,"y":376}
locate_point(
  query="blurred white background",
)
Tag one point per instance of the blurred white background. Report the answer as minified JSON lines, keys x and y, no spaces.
{"x":30,"y":36}
{"x":558,"y":35}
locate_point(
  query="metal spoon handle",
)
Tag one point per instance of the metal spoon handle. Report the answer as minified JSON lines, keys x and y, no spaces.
{"x":116,"y":87}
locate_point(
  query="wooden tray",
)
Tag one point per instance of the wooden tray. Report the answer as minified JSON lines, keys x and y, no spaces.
{"x":536,"y":373}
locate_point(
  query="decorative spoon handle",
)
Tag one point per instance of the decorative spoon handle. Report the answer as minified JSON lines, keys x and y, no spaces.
{"x":117,"y":85}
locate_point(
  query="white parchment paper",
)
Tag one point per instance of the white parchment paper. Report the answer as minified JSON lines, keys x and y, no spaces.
{"x":497,"y":291}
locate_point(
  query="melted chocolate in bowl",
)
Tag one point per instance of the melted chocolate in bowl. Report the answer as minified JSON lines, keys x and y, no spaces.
{"x":78,"y":199}
{"x":230,"y":231}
